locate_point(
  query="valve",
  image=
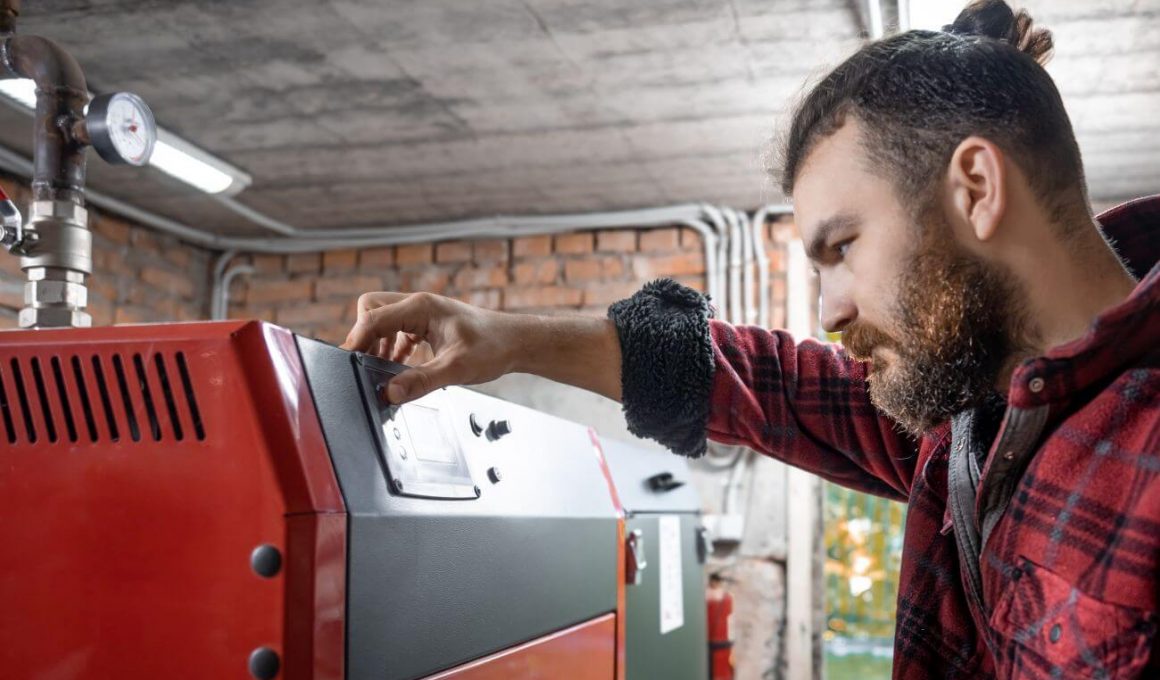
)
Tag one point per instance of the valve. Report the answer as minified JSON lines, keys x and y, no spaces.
{"x":11,"y":225}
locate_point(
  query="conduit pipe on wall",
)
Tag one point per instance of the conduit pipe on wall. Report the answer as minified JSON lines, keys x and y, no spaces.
{"x":758,"y":224}
{"x":712,"y":232}
{"x":720,"y":256}
{"x":719,"y":233}
{"x":222,"y":291}
{"x":735,"y":246}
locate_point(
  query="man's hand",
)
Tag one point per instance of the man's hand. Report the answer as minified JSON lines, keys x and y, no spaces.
{"x":473,"y":345}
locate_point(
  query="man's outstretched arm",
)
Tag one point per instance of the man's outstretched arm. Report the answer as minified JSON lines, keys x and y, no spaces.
{"x":473,"y":345}
{"x":681,"y":376}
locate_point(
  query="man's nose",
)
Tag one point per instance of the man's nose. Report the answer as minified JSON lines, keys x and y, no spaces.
{"x":837,"y":309}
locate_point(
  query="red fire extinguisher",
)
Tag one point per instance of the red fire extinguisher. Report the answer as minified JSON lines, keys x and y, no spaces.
{"x":720,"y":609}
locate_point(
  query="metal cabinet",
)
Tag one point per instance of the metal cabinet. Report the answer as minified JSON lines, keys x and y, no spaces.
{"x":666,"y":633}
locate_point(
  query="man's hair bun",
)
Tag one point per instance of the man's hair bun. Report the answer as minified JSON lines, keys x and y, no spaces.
{"x":995,"y":19}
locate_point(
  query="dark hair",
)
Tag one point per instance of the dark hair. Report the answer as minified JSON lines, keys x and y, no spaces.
{"x":918,"y":94}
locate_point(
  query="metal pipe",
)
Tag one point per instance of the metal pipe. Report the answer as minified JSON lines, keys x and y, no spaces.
{"x":721,"y":261}
{"x":747,"y":269}
{"x":709,"y":245}
{"x":9,"y":10}
{"x":219,"y":269}
{"x":223,"y":300}
{"x":758,"y":224}
{"x":735,"y":245}
{"x":61,"y":95}
{"x":56,"y":249}
{"x":712,"y":230}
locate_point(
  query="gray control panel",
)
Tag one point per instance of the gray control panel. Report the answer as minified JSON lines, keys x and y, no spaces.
{"x":418,"y":442}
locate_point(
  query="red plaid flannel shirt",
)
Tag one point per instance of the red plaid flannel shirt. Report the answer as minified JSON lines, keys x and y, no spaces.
{"x":1068,"y":500}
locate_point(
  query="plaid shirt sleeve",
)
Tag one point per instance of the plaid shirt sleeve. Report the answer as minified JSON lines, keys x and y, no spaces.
{"x":806,"y":404}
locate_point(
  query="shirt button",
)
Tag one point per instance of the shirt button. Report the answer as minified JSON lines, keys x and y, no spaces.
{"x":1035,"y":385}
{"x":1056,"y":631}
{"x":1009,"y":455}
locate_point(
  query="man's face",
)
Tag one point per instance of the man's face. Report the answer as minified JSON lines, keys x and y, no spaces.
{"x":937,"y":321}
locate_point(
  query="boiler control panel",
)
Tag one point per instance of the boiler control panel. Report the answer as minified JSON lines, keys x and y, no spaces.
{"x":418,"y":443}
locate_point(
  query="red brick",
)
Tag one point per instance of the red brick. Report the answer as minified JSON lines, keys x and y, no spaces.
{"x":317,"y":313}
{"x":542,"y":296}
{"x":494,"y":250}
{"x":190,"y":313}
{"x":10,"y":265}
{"x":416,"y":253}
{"x":107,"y":287}
{"x":488,"y":299}
{"x":578,"y":271}
{"x":269,"y":264}
{"x":376,"y":258}
{"x":11,"y":291}
{"x":303,"y":263}
{"x":660,"y":240}
{"x":431,"y":279}
{"x":694,"y":282}
{"x":287,"y":292}
{"x":646,"y":267}
{"x":243,"y":312}
{"x":471,"y":278}
{"x":532,"y":246}
{"x":690,"y":239}
{"x":164,"y":309}
{"x":618,"y":241}
{"x":339,"y":261}
{"x":334,"y":334}
{"x":130,"y":314}
{"x":144,"y":242}
{"x":574,"y":244}
{"x":164,"y":280}
{"x":179,"y":255}
{"x":612,"y":267}
{"x":101,"y":311}
{"x":536,"y":271}
{"x":113,"y":229}
{"x":452,"y":251}
{"x":607,"y":293}
{"x":347,"y":287}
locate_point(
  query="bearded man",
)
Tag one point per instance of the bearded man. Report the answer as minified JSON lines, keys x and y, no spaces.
{"x":999,"y":368}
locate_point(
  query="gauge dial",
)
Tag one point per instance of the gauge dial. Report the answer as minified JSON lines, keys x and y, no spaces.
{"x":121,"y":128}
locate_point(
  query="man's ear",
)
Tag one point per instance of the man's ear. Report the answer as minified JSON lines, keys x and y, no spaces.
{"x":977,"y":184}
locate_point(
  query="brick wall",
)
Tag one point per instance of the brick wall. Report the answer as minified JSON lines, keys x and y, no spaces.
{"x":143,"y":276}
{"x":577,"y":272}
{"x":139,"y":275}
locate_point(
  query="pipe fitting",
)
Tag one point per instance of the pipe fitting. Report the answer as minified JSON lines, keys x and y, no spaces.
{"x":61,"y":95}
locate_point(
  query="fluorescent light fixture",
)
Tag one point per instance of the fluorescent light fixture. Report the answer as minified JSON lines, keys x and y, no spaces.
{"x":932,"y":15}
{"x":20,"y":90}
{"x":180,"y":159}
{"x":172,"y":155}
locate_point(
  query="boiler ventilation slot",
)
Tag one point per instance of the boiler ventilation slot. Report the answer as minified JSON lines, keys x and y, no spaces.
{"x":88,"y":399}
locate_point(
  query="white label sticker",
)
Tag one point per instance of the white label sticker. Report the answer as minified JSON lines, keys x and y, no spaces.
{"x":672,"y":590}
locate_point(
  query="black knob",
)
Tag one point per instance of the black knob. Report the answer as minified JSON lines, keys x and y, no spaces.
{"x":266,"y":561}
{"x":497,"y":429}
{"x":264,"y":663}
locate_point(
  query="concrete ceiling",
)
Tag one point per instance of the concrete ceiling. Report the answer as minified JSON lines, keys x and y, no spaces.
{"x":372,"y":112}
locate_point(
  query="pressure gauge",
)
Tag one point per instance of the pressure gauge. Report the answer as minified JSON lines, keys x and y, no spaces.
{"x":121,"y":128}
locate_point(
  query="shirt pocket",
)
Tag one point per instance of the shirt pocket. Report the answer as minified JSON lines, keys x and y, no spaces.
{"x":1045,"y":627}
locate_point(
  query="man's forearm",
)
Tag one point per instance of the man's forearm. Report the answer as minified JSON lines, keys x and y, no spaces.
{"x":575,"y":350}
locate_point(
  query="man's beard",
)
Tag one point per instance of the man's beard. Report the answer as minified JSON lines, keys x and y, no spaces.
{"x":960,"y":320}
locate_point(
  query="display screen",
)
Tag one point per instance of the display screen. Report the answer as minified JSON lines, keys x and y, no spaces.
{"x":432,"y":445}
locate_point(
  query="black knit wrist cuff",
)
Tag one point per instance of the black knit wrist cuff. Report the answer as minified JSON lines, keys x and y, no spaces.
{"x":666,"y":364}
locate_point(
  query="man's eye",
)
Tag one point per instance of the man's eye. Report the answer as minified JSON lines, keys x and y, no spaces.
{"x":843,"y":248}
